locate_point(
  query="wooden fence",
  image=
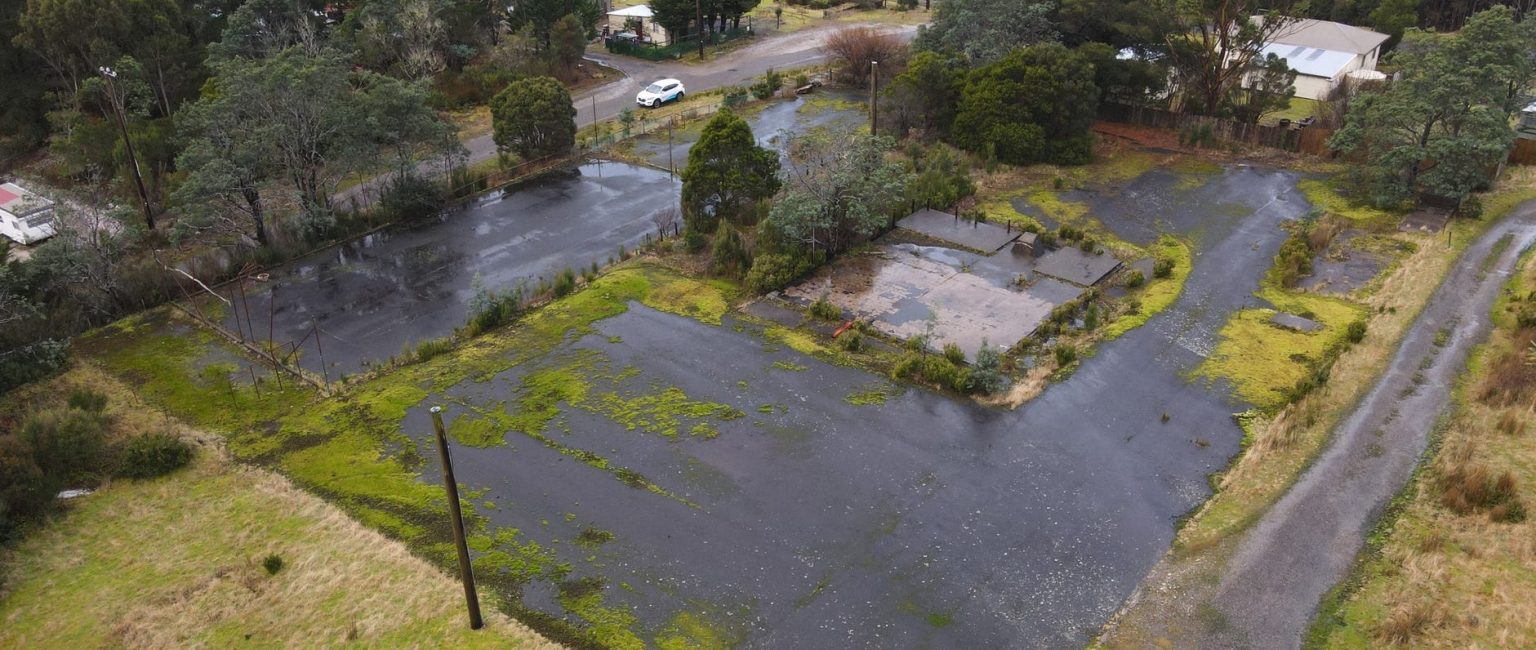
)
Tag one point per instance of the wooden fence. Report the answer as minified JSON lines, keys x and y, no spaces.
{"x":1308,"y":140}
{"x":1523,"y":153}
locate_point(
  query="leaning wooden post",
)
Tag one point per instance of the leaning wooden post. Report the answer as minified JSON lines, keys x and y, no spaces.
{"x":470,"y":597}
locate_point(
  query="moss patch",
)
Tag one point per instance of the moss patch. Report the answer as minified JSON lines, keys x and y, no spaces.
{"x":1324,"y":194}
{"x":1265,"y":362}
{"x":1159,"y":293}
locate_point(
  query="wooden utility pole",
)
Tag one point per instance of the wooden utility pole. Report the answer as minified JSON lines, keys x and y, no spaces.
{"x":698,"y":15}
{"x":874,"y":84}
{"x":465,"y":571}
{"x":117,"y":97}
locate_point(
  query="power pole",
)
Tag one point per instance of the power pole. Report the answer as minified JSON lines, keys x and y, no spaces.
{"x":470,"y":597}
{"x":698,"y":11}
{"x":671,"y":169}
{"x":117,"y":97}
{"x":874,"y":84}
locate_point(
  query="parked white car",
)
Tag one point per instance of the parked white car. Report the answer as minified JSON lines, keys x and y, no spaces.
{"x":658,"y":93}
{"x":24,"y":217}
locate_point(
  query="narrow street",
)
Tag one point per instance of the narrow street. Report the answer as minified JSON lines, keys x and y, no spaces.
{"x":743,"y":66}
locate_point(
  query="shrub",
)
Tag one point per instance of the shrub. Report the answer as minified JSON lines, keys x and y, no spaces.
{"x":729,"y":254}
{"x":565,"y":282}
{"x":934,"y":370}
{"x":86,"y":399}
{"x":694,"y":240}
{"x":430,"y":348}
{"x":917,"y":343}
{"x":986,"y":373}
{"x":24,"y":491}
{"x":272,"y":563}
{"x":823,"y":309}
{"x":154,"y":454}
{"x":1091,"y":320}
{"x":68,"y":445}
{"x":852,"y":341}
{"x":954,"y":354}
{"x":1356,"y":331}
{"x":1162,"y":268}
{"x":771,"y":83}
{"x":1135,"y":279}
{"x":774,"y":272}
{"x":411,"y":197}
{"x":1065,"y":355}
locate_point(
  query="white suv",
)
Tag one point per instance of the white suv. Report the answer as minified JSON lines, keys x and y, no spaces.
{"x":660,"y":92}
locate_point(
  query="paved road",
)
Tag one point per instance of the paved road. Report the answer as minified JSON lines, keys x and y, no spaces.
{"x":793,"y":50}
{"x":1306,"y":543}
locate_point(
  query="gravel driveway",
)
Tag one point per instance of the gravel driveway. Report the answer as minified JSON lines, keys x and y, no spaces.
{"x":1306,"y":543}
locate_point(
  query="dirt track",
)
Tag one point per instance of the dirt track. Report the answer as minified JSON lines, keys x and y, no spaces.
{"x":1306,"y":543}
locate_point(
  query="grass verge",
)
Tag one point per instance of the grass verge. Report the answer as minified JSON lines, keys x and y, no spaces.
{"x":178,"y":561}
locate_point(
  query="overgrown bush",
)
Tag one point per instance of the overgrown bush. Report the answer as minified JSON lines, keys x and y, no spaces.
{"x":1356,"y":331}
{"x":1065,"y":355}
{"x":771,"y":83}
{"x":1135,"y":279}
{"x":954,"y":354}
{"x":694,"y":240}
{"x":490,"y":309}
{"x":1294,"y":261}
{"x":53,"y":449}
{"x":852,"y":341}
{"x":69,"y":445}
{"x":729,"y":255}
{"x":272,"y":563}
{"x":935,"y":370}
{"x":565,"y":282}
{"x":411,"y":197}
{"x":430,"y":348}
{"x":154,"y":454}
{"x":823,"y":309}
{"x":775,"y":271}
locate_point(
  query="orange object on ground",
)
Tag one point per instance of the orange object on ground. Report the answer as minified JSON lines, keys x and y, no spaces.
{"x":846,"y":326}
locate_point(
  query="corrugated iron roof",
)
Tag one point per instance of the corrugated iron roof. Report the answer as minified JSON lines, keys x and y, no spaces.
{"x":1309,"y":61}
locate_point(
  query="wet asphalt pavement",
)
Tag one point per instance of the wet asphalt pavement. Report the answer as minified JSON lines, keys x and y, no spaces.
{"x":372,"y":297}
{"x":923,"y":522}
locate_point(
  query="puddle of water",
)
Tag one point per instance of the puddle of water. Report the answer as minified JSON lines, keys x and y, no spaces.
{"x":372,"y":297}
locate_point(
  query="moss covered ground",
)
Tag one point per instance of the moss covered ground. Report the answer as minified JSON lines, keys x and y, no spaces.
{"x":177,"y":562}
{"x":1264,"y":361}
{"x":350,"y":447}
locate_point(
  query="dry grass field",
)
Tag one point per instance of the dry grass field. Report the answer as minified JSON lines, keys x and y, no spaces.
{"x":179,"y":562}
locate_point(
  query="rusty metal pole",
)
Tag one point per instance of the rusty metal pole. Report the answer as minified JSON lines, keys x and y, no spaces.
{"x":468,"y":574}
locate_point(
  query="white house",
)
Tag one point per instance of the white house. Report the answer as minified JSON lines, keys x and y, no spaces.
{"x":1323,"y":52}
{"x":643,"y":19}
{"x":24,"y":217}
